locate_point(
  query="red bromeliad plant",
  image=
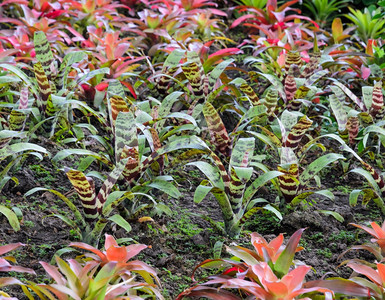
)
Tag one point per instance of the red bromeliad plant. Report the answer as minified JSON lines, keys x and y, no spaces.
{"x":121,"y":255}
{"x":377,"y":245}
{"x":273,"y":22}
{"x":263,"y":273}
{"x":107,"y":275}
{"x":5,"y":266}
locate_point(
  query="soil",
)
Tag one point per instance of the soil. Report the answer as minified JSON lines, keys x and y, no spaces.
{"x":180,"y":241}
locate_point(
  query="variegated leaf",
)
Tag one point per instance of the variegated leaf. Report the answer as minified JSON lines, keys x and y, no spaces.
{"x":242,"y":152}
{"x":85,"y":188}
{"x":312,"y":65}
{"x":377,"y":99}
{"x":115,"y":88}
{"x":289,"y":182}
{"x":290,"y":88}
{"x":297,"y":132}
{"x":377,"y":177}
{"x":353,"y":126}
{"x":339,"y":112}
{"x":43,"y":51}
{"x":245,"y":88}
{"x":23,"y":102}
{"x":44,"y":85}
{"x":17,"y":120}
{"x":125,"y":132}
{"x":292,"y":58}
{"x":217,"y":129}
{"x":350,"y":94}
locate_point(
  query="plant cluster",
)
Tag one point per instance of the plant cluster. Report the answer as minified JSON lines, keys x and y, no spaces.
{"x":132,"y":90}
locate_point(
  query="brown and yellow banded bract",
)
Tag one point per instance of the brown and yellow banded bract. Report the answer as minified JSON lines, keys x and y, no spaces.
{"x":292,"y":58}
{"x":297,"y":132}
{"x":377,"y":99}
{"x":271,"y":101}
{"x":85,"y":188}
{"x":43,"y":83}
{"x":289,"y":183}
{"x":290,"y":88}
{"x":195,"y":76}
{"x":217,"y":129}
{"x":17,"y":120}
{"x":118,"y":104}
{"x":245,"y":88}
{"x":132,"y":167}
{"x":353,"y":126}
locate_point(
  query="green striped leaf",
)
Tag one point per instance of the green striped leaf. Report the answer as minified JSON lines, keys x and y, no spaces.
{"x":43,"y":51}
{"x":339,"y":112}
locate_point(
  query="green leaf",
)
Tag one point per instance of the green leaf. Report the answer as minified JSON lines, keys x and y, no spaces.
{"x":11,"y":216}
{"x":118,"y":219}
{"x":182,"y":116}
{"x":60,"y":252}
{"x":67,"y":152}
{"x":339,"y":112}
{"x":353,"y":197}
{"x":369,"y":178}
{"x":285,"y":259}
{"x":217,"y":71}
{"x":166,"y":187}
{"x":173,"y":59}
{"x":334,"y":214}
{"x":92,"y":74}
{"x":318,"y":165}
{"x":217,"y":250}
{"x":21,"y":75}
{"x":79,"y":218}
{"x":326,"y":193}
{"x":244,"y":173}
{"x":201,"y":191}
{"x":259,"y":182}
{"x":20,"y":147}
{"x":299,"y":198}
{"x":275,"y":211}
{"x":242,"y":152}
{"x":212,"y":173}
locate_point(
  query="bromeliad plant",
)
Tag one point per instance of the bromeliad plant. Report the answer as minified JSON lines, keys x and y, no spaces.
{"x":293,"y":185}
{"x":263,"y":273}
{"x":367,"y":281}
{"x":229,"y":186}
{"x":5,"y":266}
{"x":97,"y":207}
{"x":103,"y":275}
